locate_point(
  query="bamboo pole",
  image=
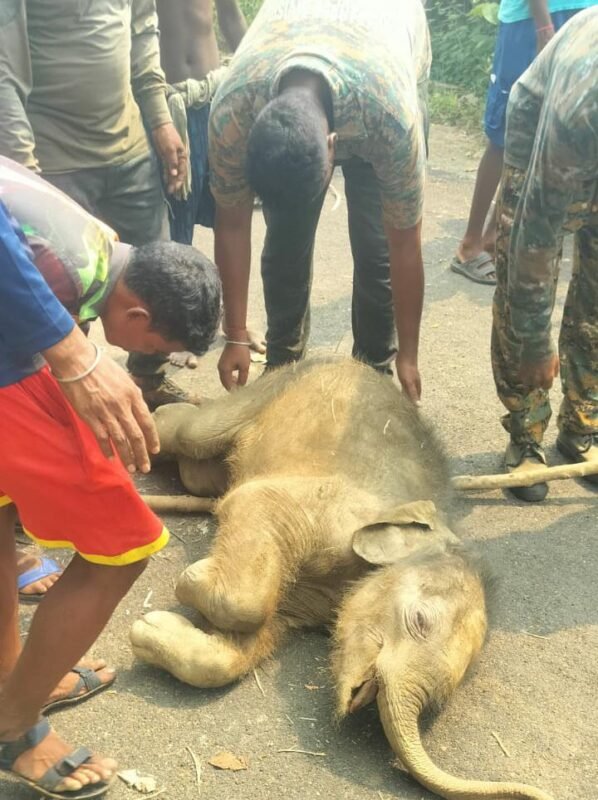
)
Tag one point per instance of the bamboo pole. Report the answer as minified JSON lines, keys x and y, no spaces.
{"x":179,"y":503}
{"x":466,"y":483}
{"x":189,"y":504}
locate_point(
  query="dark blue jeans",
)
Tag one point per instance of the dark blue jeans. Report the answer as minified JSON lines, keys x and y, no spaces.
{"x":287,"y":262}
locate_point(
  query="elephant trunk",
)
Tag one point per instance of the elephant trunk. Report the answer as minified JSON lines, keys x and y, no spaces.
{"x":400,"y":707}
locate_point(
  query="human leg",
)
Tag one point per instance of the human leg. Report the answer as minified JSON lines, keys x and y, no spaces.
{"x":287,"y":261}
{"x":528,"y":410}
{"x":372,"y":308}
{"x":10,"y":643}
{"x":66,"y":492}
{"x":514,"y":52}
{"x":477,"y":240}
{"x":578,"y":348}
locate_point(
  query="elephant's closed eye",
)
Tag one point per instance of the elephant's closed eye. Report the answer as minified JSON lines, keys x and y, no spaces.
{"x":419,"y":621}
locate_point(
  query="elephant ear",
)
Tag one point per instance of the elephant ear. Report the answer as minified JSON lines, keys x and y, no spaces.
{"x":395,"y":533}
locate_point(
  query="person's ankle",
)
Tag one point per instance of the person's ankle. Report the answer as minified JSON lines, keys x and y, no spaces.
{"x":14,"y":722}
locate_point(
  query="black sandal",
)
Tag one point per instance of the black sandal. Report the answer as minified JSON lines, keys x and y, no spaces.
{"x":89,"y":681}
{"x":10,"y":752}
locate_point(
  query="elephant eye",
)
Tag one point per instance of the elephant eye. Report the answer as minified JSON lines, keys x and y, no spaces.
{"x":418,"y":622}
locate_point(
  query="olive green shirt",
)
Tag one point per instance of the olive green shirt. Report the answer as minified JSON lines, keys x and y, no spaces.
{"x":552,"y":134}
{"x":76,"y":76}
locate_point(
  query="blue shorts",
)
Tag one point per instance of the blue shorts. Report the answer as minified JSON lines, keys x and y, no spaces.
{"x":198,"y":208}
{"x":515,"y":51}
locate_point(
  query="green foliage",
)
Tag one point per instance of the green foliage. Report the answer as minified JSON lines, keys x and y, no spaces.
{"x":449,"y":106}
{"x":250,"y":8}
{"x":463,"y":34}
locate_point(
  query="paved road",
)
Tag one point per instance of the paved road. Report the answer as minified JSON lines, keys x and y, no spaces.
{"x":527,"y":712}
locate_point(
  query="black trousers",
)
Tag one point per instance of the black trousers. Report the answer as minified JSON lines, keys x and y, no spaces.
{"x":287,"y":267}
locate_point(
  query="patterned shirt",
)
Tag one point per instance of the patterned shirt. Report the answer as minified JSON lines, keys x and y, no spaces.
{"x":375,"y":57}
{"x":552,"y":134}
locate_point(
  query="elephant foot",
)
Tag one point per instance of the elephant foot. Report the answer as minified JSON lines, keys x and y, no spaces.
{"x":171,"y":642}
{"x":206,"y":660}
{"x":240,"y":603}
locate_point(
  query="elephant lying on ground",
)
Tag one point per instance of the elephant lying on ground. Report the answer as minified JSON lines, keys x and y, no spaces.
{"x":333,"y":512}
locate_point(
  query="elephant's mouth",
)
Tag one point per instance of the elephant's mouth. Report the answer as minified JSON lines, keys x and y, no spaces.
{"x":363,"y":694}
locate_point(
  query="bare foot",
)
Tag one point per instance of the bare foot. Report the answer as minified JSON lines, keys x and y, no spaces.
{"x":183,"y":359}
{"x":28,"y":559}
{"x":35,"y":762}
{"x":68,"y":683}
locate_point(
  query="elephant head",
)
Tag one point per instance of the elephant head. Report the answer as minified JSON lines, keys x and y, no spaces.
{"x":407,"y":633}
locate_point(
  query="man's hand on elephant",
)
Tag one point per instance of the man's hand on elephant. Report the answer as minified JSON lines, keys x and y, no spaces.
{"x":233,"y":365}
{"x":107,"y":400}
{"x":173,"y":155}
{"x":409,"y":377}
{"x":539,"y":374}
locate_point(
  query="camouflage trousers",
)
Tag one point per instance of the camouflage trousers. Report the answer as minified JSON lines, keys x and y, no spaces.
{"x":529,"y":410}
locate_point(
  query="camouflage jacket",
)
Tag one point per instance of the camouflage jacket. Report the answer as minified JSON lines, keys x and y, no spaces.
{"x":552,"y":134}
{"x":374,"y":56}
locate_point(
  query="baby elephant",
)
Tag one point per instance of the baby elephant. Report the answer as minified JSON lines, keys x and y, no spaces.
{"x":334,"y":495}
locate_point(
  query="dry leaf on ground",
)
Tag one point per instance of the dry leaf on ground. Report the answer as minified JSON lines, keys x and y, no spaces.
{"x":226,"y":760}
{"x":143,"y":783}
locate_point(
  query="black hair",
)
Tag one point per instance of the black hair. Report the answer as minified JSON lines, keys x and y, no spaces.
{"x":287,"y":151}
{"x":181,"y":289}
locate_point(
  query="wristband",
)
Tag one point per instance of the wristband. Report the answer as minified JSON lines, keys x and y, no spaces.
{"x":86,"y":372}
{"x":545,"y":28}
{"x":232,"y":341}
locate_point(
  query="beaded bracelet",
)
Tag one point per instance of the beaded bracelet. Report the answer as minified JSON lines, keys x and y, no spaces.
{"x":545,"y":28}
{"x":86,"y":372}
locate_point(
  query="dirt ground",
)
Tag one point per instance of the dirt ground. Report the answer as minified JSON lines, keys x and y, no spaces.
{"x":527,"y":712}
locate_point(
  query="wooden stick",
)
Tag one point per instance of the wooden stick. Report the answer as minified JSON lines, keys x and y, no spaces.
{"x":179,"y":503}
{"x":466,"y":483}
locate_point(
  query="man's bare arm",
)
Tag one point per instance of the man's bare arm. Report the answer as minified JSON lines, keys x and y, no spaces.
{"x":232,"y":250}
{"x":407,"y":281}
{"x":231,"y":21}
{"x":106,"y":399}
{"x":543,"y":22}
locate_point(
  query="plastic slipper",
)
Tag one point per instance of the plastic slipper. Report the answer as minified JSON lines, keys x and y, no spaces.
{"x":45,"y":568}
{"x":479,"y":269}
{"x":88,"y":680}
{"x":46,"y":785}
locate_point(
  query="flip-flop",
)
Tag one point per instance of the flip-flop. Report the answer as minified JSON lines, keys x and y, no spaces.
{"x":479,"y":269}
{"x":46,"y":785}
{"x":45,"y":568}
{"x":88,"y":680}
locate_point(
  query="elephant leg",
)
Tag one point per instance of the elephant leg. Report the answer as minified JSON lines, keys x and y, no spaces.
{"x":205,"y":478}
{"x":210,"y":429}
{"x":207,"y":660}
{"x":237,"y":593}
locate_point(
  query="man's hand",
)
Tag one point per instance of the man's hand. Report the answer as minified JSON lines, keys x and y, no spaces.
{"x":543,"y":36}
{"x":235,"y":358}
{"x":173,"y":155}
{"x":539,"y":374}
{"x":408,"y":375}
{"x":107,"y":400}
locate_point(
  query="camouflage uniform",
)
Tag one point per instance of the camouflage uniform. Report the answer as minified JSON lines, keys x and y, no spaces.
{"x":374,"y":56}
{"x":550,"y":188}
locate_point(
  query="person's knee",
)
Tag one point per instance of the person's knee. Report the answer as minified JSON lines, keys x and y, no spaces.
{"x":110,"y":577}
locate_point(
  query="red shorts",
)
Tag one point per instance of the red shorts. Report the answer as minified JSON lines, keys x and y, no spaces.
{"x":68,"y":494}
